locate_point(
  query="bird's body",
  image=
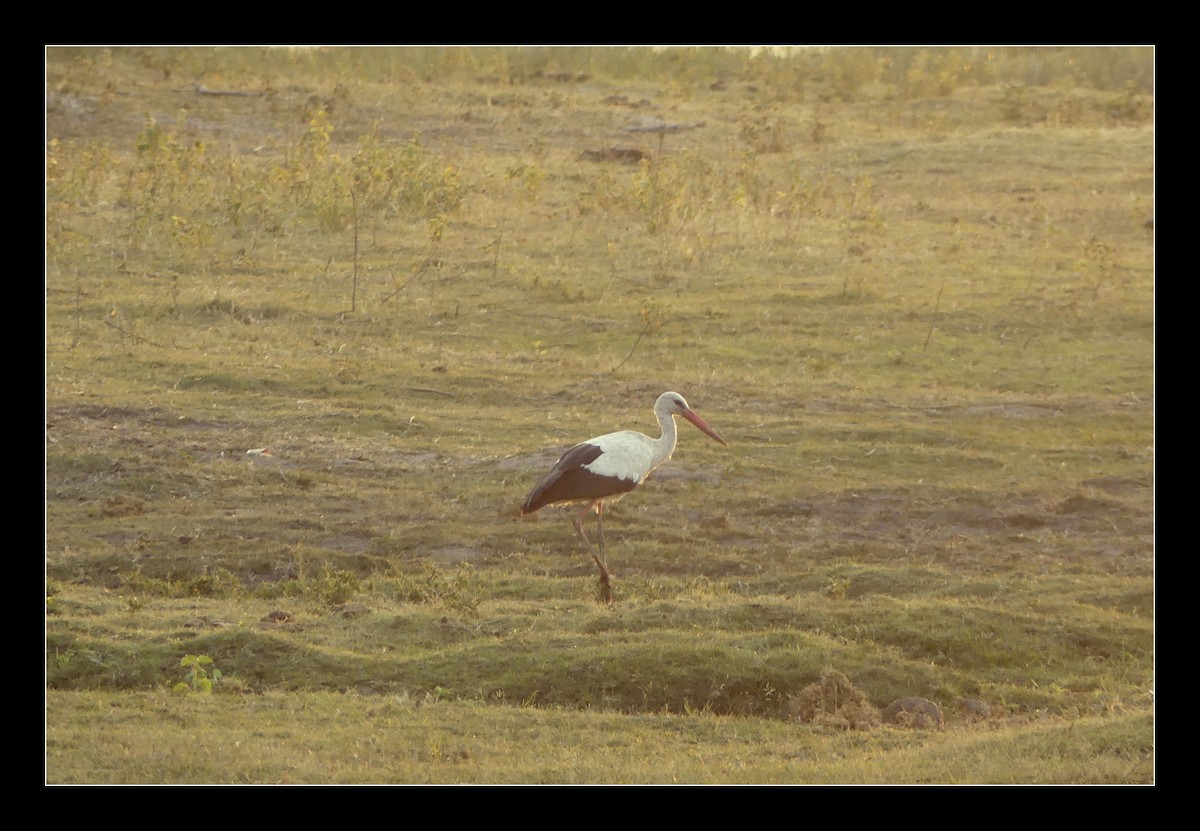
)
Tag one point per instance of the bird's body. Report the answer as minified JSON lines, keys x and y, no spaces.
{"x":602,"y":470}
{"x":606,"y":467}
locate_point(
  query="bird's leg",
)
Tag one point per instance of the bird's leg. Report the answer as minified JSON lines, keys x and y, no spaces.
{"x":600,"y":534}
{"x":578,"y":521}
{"x":602,"y":560}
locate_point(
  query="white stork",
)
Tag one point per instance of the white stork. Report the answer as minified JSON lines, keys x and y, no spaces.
{"x":600,"y":471}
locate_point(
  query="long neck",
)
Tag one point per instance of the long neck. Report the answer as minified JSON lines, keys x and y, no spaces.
{"x":664,"y":445}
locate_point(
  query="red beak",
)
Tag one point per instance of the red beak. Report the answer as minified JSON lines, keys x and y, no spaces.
{"x":691,"y":416}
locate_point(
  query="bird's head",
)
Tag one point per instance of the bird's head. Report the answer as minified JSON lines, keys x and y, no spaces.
{"x":673,"y":404}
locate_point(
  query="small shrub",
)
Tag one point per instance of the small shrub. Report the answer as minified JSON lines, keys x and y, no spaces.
{"x":201,"y":675}
{"x":454,"y":590}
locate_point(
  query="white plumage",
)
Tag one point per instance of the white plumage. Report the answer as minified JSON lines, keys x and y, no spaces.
{"x":625,"y":455}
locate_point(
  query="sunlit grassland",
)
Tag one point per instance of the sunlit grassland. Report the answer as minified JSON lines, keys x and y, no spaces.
{"x":917,"y":301}
{"x":306,"y":737}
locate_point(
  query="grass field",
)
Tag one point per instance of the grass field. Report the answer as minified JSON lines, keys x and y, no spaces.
{"x":318,"y":319}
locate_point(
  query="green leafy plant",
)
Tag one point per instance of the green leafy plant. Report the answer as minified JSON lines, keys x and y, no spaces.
{"x":438,"y":693}
{"x":201,"y":675}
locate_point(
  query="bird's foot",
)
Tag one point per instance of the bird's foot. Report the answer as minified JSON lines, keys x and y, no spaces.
{"x":605,"y":581}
